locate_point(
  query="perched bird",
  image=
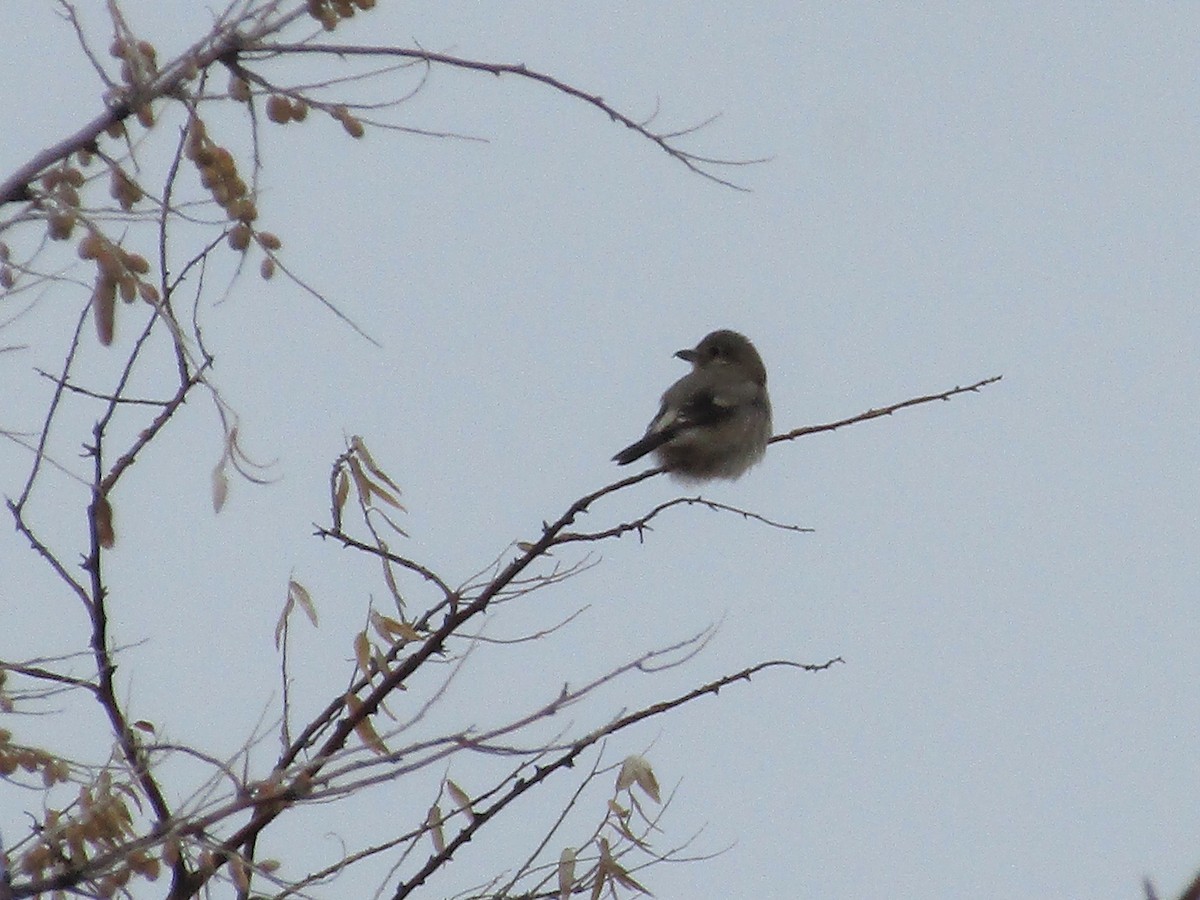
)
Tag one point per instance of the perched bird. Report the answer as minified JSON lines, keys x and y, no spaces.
{"x":715,"y":421}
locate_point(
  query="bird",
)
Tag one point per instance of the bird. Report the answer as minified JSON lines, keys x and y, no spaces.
{"x":715,"y":421}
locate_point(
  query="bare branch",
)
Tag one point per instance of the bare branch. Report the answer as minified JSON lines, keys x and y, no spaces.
{"x":692,"y":161}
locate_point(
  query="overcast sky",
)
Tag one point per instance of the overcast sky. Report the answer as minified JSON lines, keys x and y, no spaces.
{"x":954,"y":191}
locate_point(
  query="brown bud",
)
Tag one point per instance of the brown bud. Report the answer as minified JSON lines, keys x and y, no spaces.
{"x":299,"y":110}
{"x":74,"y":176}
{"x":267,"y":269}
{"x":115,"y":130}
{"x":268,"y":241}
{"x":353,"y":127}
{"x":7,"y":279}
{"x":145,"y":115}
{"x":128,"y":287}
{"x":68,"y":194}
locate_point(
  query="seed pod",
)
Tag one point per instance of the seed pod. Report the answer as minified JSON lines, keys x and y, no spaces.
{"x":279,"y":110}
{"x":104,"y":308}
{"x":109,"y":263}
{"x":137,"y":263}
{"x":353,"y":127}
{"x":268,"y":241}
{"x":128,"y":287}
{"x":299,"y":110}
{"x":239,"y":89}
{"x":148,"y":53}
{"x":239,"y":237}
{"x":245,"y":210}
{"x":148,"y":292}
{"x":267,"y":269}
{"x":90,"y":246}
{"x":223,"y":160}
{"x":61,"y":225}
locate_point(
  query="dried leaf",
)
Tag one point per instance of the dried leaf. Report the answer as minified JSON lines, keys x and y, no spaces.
{"x":361,"y":485}
{"x":385,"y":496}
{"x":389,"y":628}
{"x":364,"y":729}
{"x":619,"y":873}
{"x":636,"y":770}
{"x":566,"y":872}
{"x":283,"y":617}
{"x":601,"y":871}
{"x":297,"y":590}
{"x":433,"y":821}
{"x":381,"y":665}
{"x":341,"y":492}
{"x":362,"y":652}
{"x":390,"y":579}
{"x":220,"y":486}
{"x":357,"y":445}
{"x":460,"y":798}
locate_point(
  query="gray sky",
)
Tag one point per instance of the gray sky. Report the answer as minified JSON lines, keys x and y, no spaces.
{"x":955,"y":191}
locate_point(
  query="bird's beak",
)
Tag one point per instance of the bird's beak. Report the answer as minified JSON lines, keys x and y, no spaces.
{"x":687,"y":355}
